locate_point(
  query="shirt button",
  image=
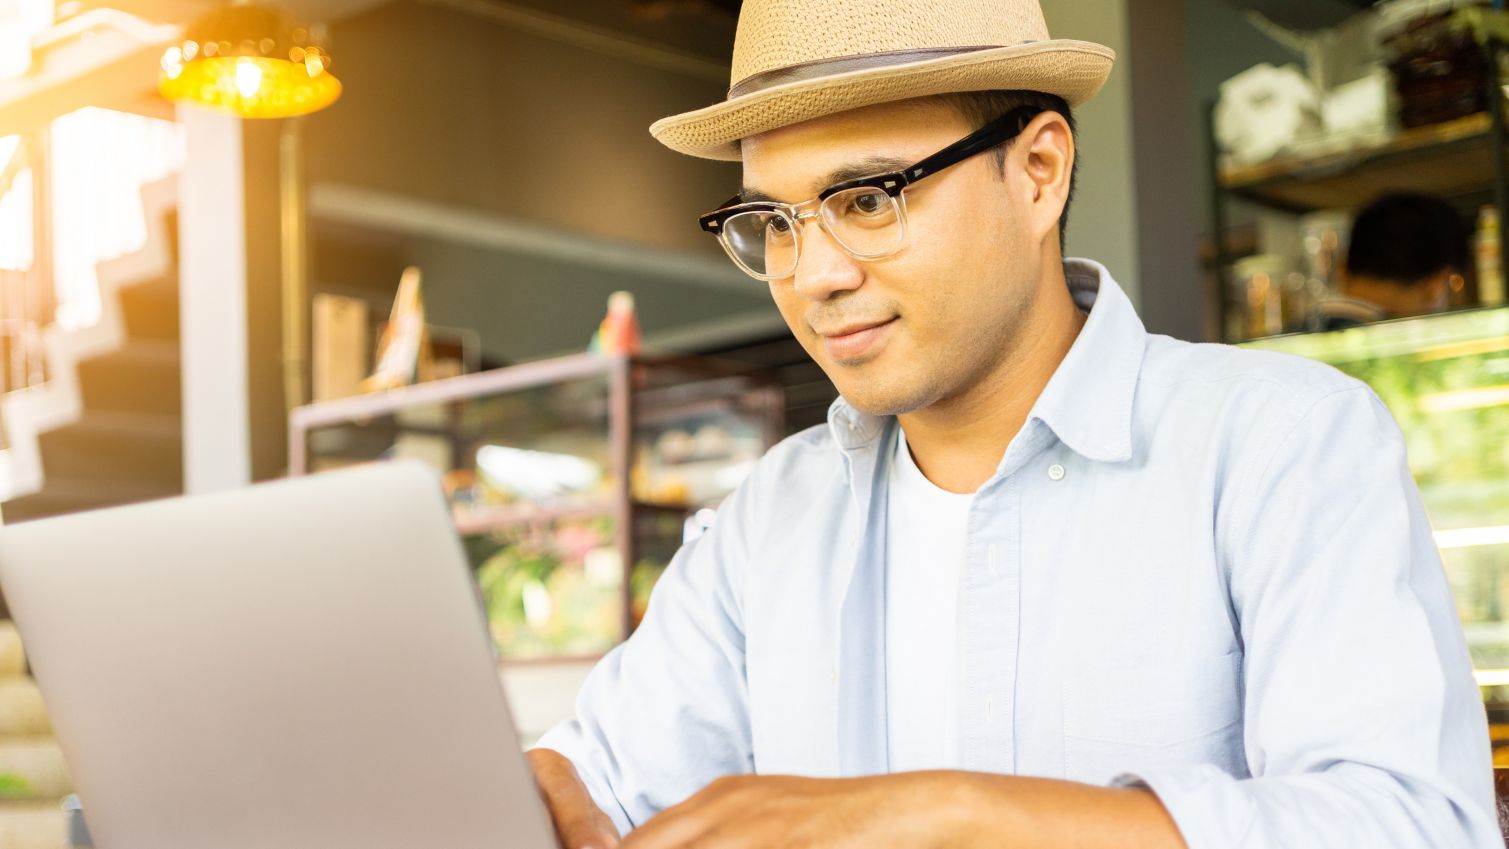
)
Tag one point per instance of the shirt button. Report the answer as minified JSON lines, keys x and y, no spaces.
{"x":1055,"y":472}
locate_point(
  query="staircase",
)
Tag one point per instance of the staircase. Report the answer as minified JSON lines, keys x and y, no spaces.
{"x":105,"y":428}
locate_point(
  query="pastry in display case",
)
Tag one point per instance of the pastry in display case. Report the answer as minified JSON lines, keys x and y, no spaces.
{"x":572,"y":481}
{"x":1445,"y":378}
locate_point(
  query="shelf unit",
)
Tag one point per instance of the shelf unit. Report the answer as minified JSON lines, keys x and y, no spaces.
{"x":1462,"y":158}
{"x":1453,"y":158}
{"x":625,"y":399}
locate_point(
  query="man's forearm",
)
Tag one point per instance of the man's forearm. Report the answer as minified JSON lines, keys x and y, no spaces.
{"x":991,"y":811}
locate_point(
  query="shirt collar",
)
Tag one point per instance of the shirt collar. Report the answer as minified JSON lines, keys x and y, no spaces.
{"x":1088,"y":401}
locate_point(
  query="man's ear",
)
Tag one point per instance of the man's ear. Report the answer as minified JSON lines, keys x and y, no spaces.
{"x":1045,"y":155}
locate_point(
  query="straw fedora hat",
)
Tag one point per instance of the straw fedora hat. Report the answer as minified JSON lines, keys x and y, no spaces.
{"x":795,"y":60}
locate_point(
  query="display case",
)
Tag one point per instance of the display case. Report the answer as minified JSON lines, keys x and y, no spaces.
{"x":572,"y":481}
{"x":1445,"y":377}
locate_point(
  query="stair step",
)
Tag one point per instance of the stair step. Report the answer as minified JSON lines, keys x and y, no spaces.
{"x":137,"y":427}
{"x":151,"y":309}
{"x":33,"y":769}
{"x":143,"y":377}
{"x":33,"y":826}
{"x":102,"y":448}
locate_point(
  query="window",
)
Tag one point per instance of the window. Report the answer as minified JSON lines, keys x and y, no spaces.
{"x":15,"y":206}
{"x":99,"y":161}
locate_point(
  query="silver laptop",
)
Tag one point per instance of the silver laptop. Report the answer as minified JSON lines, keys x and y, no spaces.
{"x":299,"y":664}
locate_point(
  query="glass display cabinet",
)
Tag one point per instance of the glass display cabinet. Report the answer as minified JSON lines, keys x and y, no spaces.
{"x":572,"y":481}
{"x":1446,"y":379}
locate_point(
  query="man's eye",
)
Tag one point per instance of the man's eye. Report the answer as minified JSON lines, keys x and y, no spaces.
{"x":778,"y":224}
{"x":869,"y":203}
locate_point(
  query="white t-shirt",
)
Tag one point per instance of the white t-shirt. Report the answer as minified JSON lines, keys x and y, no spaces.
{"x":924,"y":553}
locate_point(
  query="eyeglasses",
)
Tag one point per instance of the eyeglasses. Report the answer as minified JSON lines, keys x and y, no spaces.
{"x":865,"y":216}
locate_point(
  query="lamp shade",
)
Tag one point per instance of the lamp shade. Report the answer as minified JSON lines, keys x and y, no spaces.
{"x":252,"y":60}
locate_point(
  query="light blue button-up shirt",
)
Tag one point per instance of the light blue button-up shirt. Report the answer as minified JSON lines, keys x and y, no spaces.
{"x":1202,"y":569}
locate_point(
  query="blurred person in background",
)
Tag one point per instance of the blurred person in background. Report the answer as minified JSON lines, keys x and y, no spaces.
{"x":1408,"y":255}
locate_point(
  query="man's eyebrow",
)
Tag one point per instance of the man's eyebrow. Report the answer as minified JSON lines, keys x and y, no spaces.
{"x":867,"y":167}
{"x":748,"y":195}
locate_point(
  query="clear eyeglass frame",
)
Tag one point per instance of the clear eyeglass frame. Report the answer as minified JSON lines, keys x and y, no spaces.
{"x":765,"y":238}
{"x":734,"y":216}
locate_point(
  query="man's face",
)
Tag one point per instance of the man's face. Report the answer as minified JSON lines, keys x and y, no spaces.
{"x":925,"y":325}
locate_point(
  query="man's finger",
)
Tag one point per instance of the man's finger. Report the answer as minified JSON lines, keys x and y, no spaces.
{"x":675,"y":826}
{"x":579,"y":822}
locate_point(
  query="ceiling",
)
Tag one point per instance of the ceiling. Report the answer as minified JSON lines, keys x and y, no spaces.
{"x":326,"y":11}
{"x":1305,"y":14}
{"x":661,"y":7}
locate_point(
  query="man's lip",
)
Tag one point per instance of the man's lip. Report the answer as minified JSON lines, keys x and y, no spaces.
{"x":858,"y":344}
{"x":851,"y":329}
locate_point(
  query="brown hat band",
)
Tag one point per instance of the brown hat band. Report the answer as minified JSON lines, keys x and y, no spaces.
{"x":844,"y":64}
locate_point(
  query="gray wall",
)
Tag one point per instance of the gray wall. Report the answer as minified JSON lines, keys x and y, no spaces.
{"x":495,"y":121}
{"x":1137,"y":206}
{"x":1102,"y":225}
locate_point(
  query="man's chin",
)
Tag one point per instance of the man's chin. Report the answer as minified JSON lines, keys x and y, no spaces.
{"x":881,"y":400}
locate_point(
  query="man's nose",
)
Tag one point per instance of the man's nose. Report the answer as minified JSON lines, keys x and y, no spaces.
{"x":824,"y":268}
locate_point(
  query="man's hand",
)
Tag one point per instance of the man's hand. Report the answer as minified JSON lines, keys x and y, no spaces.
{"x":747,"y":811}
{"x":579,"y":822}
{"x":915,"y":810}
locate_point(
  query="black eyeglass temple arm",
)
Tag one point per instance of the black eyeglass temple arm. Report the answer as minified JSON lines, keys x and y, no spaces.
{"x":712,"y":221}
{"x":996,"y":132}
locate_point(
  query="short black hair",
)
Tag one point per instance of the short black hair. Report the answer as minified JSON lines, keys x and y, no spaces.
{"x":981,"y":107}
{"x":1408,"y":238}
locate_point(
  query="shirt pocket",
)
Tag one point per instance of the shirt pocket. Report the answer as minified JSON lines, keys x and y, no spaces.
{"x":1127,"y":718}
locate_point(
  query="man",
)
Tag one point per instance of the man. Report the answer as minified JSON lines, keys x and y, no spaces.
{"x":1045,"y":579}
{"x":1407,"y":255}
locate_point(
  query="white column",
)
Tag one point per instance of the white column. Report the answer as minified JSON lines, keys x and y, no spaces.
{"x":213,"y":304}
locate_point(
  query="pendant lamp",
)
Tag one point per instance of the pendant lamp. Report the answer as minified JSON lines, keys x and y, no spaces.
{"x":251,"y":59}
